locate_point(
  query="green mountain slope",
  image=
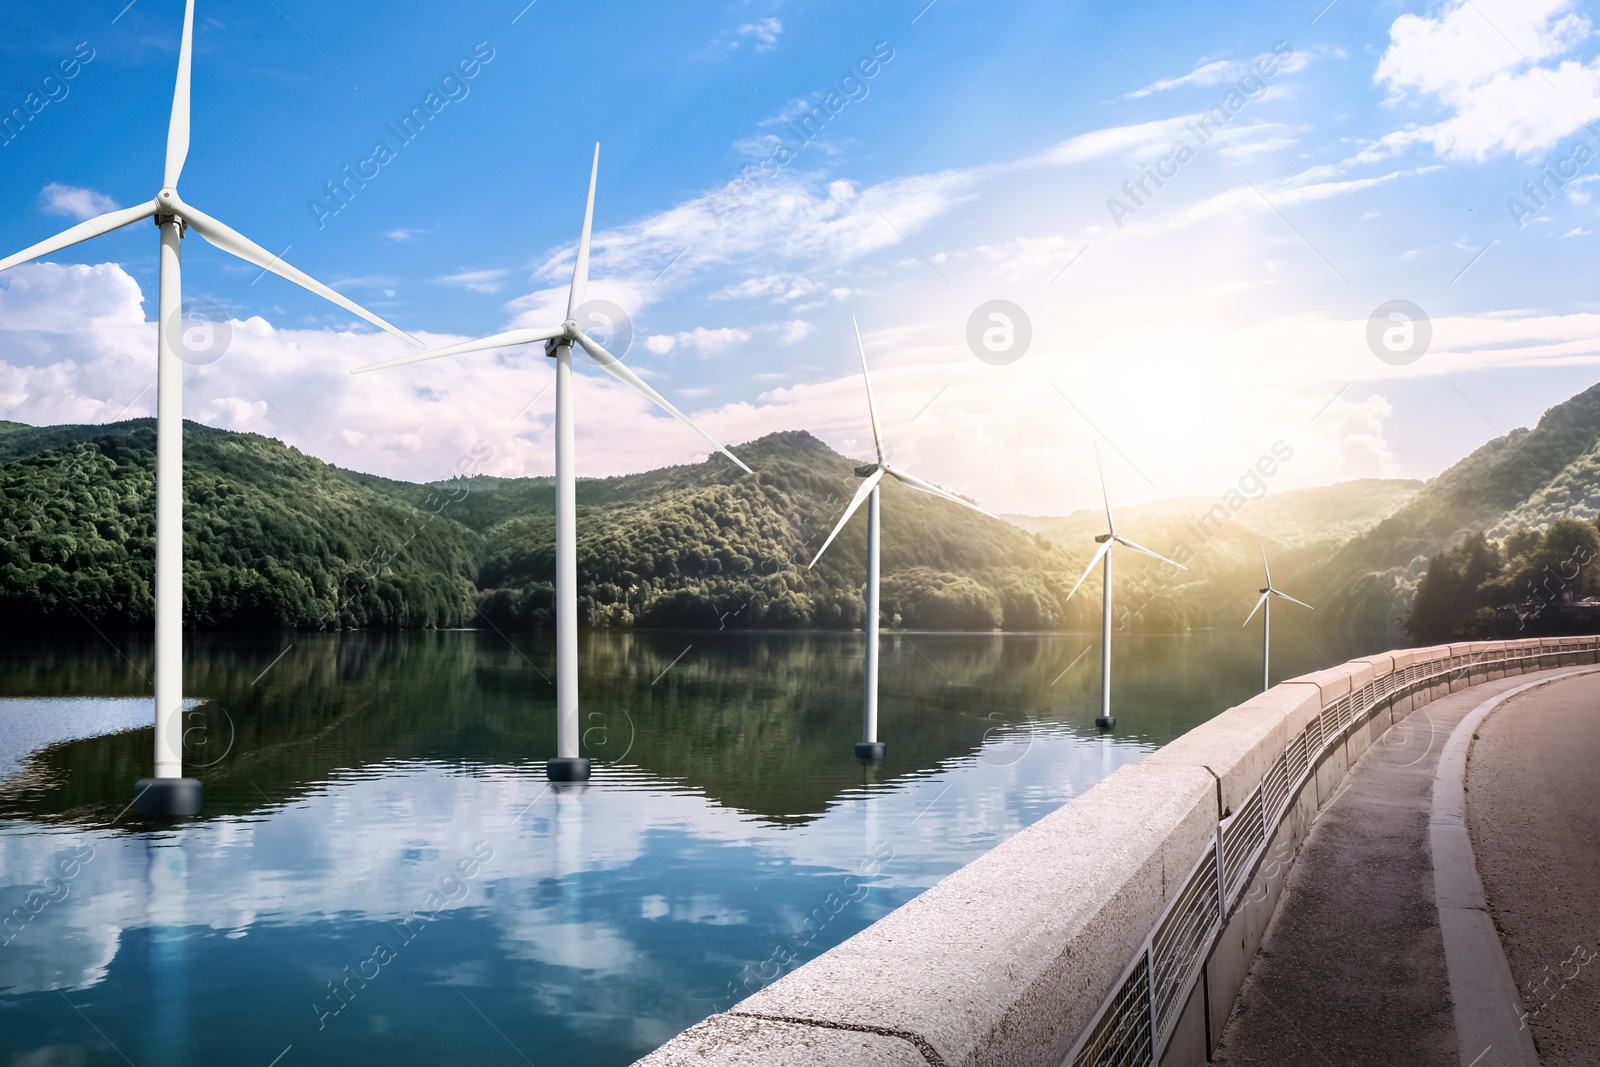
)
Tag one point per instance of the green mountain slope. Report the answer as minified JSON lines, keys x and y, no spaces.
{"x":1221,"y":550}
{"x":276,"y":538}
{"x":708,"y":546}
{"x":1526,"y":478}
{"x":271,"y":538}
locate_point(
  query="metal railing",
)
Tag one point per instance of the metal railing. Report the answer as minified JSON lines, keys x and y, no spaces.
{"x":1137,"y":1019}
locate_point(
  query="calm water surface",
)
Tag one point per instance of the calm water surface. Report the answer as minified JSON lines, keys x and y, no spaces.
{"x":383,"y":876}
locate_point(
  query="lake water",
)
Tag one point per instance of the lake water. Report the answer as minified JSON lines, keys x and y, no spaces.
{"x":383,"y":876}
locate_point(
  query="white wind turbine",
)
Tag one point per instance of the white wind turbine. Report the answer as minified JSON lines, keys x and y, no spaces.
{"x":870,"y":747}
{"x":567,"y":766}
{"x":1264,"y":605}
{"x":1105,"y":720}
{"x":169,"y":793}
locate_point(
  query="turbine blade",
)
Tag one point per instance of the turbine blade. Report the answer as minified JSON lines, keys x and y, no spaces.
{"x":1140,"y":548}
{"x":178,"y":129}
{"x":1255,"y":609}
{"x":1111,"y":523}
{"x":94,"y":227}
{"x":1093,"y":563}
{"x":855,"y":502}
{"x":1264,"y":565}
{"x":482,"y":344}
{"x":613,"y":366}
{"x":933,"y":490}
{"x":872,"y":408}
{"x":235,"y":243}
{"x":1292,"y":600}
{"x":580,"y":266}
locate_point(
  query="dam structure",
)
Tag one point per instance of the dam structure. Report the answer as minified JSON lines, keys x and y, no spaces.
{"x":1126,"y":928}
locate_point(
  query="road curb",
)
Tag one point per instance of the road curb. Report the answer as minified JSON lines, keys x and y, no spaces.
{"x":1482,"y":991}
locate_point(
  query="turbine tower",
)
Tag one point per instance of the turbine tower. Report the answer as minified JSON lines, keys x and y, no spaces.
{"x":870,"y":747}
{"x":169,"y":793}
{"x":1264,"y":605}
{"x":567,"y":766}
{"x":1105,"y":720}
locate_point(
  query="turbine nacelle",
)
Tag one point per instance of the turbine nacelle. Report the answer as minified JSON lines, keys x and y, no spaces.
{"x":569,"y":334}
{"x":1269,"y":590}
{"x":873,"y":473}
{"x":1107,"y":541}
{"x":567,"y":337}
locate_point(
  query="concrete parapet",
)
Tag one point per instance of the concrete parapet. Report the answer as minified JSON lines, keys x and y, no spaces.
{"x":1240,"y":745}
{"x":1007,"y":960}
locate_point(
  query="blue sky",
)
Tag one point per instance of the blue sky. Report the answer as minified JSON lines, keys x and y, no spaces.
{"x":1184,"y":331}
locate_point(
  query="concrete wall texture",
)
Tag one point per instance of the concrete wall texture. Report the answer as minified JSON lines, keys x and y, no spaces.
{"x":1119,"y":928}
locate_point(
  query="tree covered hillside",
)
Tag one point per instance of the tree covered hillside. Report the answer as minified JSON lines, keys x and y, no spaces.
{"x":1526,"y":478}
{"x":276,"y":538}
{"x":271,"y":538}
{"x":708,"y":546}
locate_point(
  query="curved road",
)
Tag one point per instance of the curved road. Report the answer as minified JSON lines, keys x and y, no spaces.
{"x":1533,"y":809}
{"x":1352,"y":968}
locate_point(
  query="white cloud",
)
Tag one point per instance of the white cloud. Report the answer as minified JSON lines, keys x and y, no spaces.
{"x":1218,"y":71}
{"x":58,"y":199}
{"x":478,"y":281}
{"x":777,"y":286}
{"x":77,"y":348}
{"x":1116,"y":141}
{"x":1483,"y":61}
{"x":712,"y":342}
{"x":789,"y":218}
{"x":765,"y":32}
{"x":795,"y":331}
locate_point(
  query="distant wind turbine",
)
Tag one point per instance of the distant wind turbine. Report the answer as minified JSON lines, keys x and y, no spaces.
{"x":1105,"y":720}
{"x":870,"y":747}
{"x":567,"y":766}
{"x":1264,"y":605}
{"x":169,"y":793}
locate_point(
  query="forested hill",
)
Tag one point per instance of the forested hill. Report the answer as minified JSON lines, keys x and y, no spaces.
{"x":708,"y":546}
{"x":276,"y":538}
{"x":271,"y":537}
{"x":1526,"y":478}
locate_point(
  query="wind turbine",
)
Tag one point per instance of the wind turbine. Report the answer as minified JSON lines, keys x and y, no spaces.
{"x":870,"y":747}
{"x":1105,"y":720}
{"x":169,"y":793}
{"x":1264,"y":605}
{"x":567,"y":766}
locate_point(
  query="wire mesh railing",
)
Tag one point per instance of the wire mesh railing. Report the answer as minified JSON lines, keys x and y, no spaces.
{"x":1134,"y":1024}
